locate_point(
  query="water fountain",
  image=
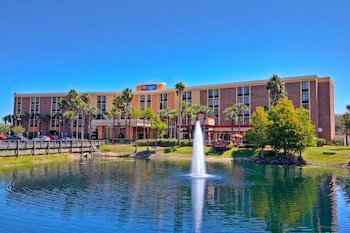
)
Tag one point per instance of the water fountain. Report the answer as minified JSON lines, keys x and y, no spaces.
{"x":198,"y":168}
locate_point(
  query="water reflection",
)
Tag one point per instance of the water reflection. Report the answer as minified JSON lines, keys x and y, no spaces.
{"x":147,"y":196}
{"x":197,"y":196}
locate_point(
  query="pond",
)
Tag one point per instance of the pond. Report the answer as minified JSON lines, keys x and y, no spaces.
{"x":122,"y":195}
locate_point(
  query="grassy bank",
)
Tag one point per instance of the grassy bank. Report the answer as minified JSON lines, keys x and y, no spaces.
{"x":7,"y":163}
{"x":325,"y":156}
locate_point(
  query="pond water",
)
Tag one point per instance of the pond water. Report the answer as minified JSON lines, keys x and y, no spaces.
{"x":114,"y":195}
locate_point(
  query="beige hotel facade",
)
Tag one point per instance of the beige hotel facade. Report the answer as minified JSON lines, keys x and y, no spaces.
{"x":311,"y":92}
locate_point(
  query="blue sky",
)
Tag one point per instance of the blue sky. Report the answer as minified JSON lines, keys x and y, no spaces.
{"x":108,"y":45}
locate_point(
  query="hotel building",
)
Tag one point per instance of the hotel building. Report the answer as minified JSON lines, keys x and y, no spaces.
{"x":311,"y":92}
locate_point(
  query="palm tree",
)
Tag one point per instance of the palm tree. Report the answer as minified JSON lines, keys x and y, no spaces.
{"x":231,"y":116}
{"x":127,"y":97}
{"x":91,"y":112}
{"x":180,"y":87}
{"x":118,"y":103}
{"x":59,"y":118}
{"x":7,"y":119}
{"x":240,"y":109}
{"x":70,"y":117}
{"x":275,"y":88}
{"x":172,"y":117}
{"x":163,"y":115}
{"x":190,"y":112}
{"x":206,"y":111}
{"x":37,"y":120}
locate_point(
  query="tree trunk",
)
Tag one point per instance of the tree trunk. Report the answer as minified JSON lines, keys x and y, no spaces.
{"x":262,"y":152}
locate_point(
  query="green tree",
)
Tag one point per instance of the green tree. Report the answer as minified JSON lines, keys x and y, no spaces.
{"x":286,"y":131}
{"x":257,"y":134}
{"x":159,"y":128}
{"x":275,"y":88}
{"x":18,"y":130}
{"x":180,"y":87}
{"x":146,"y":115}
{"x":4,"y":128}
{"x":307,"y":130}
{"x":136,"y":113}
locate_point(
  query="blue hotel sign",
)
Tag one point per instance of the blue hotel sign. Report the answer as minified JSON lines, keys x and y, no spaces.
{"x":148,"y":87}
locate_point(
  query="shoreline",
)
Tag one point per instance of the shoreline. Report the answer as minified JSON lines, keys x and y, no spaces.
{"x":144,"y":155}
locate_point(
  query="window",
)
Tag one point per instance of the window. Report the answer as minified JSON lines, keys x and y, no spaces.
{"x":246,"y":90}
{"x":163,"y":101}
{"x":305,"y":97}
{"x":239,"y":91}
{"x":305,"y":86}
{"x":246,"y":100}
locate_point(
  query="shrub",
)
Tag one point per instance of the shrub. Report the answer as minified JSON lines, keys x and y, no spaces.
{"x":333,"y":142}
{"x":320,"y":142}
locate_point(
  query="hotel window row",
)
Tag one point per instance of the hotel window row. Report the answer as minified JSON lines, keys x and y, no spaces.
{"x":19,"y":105}
{"x":34,"y":109}
{"x":243,"y":96}
{"x":101,"y":106}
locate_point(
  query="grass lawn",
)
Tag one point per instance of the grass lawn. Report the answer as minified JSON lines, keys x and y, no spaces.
{"x":326,"y":155}
{"x":7,"y":163}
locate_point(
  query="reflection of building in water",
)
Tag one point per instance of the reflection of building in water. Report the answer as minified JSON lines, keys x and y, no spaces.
{"x":211,"y":194}
{"x":325,"y":212}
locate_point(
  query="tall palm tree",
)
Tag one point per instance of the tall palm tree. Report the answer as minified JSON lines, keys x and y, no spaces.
{"x":7,"y":119}
{"x":190,"y":112}
{"x":70,"y":116}
{"x":172,"y":116}
{"x":37,"y":120}
{"x":275,"y":88}
{"x":91,"y":112}
{"x":127,"y":97}
{"x":84,"y":110}
{"x":231,"y":116}
{"x":206,"y":111}
{"x":118,"y":103}
{"x":240,"y":109}
{"x":345,"y":119}
{"x":59,"y":118}
{"x":180,"y":87}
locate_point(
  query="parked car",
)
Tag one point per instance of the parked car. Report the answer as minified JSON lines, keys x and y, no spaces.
{"x":54,"y":137}
{"x":64,"y":138}
{"x":41,"y":138}
{"x":16,"y":137}
{"x":3,"y":137}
